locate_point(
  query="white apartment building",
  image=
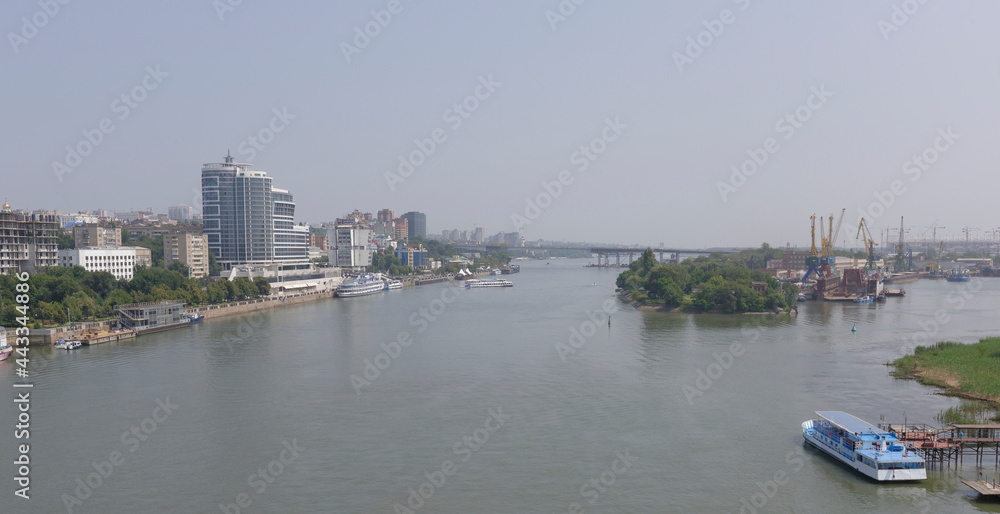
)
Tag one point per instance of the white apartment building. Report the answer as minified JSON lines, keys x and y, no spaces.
{"x":120,"y":262}
{"x":350,"y":246}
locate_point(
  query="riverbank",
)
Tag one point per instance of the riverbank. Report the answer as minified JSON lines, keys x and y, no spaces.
{"x":101,"y":331}
{"x":963,"y":370}
{"x":643,"y":306}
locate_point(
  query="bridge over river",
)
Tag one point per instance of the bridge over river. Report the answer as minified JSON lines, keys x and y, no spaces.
{"x":621,"y":254}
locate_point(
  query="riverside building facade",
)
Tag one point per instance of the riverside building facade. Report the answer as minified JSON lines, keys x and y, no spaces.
{"x":247,"y":220}
{"x":27,"y":241}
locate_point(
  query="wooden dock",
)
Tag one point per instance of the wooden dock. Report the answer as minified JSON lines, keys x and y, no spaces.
{"x":983,"y":487}
{"x":941,"y":446}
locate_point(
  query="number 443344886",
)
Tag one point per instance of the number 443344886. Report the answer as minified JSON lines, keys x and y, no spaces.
{"x":21,"y":342}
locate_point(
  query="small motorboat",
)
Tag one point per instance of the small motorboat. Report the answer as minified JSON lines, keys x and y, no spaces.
{"x":73,"y":345}
{"x":61,"y":344}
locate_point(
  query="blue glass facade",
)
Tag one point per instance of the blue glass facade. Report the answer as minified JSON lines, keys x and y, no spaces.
{"x":246,"y":220}
{"x":416,"y":224}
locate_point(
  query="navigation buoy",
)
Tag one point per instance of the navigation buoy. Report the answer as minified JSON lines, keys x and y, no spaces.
{"x":854,"y":328}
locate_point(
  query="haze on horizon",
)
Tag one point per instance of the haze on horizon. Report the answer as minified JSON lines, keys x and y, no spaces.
{"x":835,"y":102}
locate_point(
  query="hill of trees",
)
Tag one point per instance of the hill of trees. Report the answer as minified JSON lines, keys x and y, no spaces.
{"x":709,"y":283}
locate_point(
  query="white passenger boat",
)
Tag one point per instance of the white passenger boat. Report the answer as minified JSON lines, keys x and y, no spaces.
{"x":873,"y":452}
{"x":368,"y":283}
{"x":488,"y":283}
{"x":5,"y":349}
{"x":393,"y":284}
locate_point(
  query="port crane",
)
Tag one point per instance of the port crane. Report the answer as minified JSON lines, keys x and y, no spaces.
{"x":818,"y":261}
{"x":827,"y":243}
{"x":870,"y":244}
{"x":904,"y":257}
{"x":812,"y":262}
{"x":937,"y":267}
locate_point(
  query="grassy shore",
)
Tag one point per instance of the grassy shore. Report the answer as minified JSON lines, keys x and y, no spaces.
{"x":965,"y":370}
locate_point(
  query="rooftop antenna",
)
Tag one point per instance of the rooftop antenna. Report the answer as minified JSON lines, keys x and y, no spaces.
{"x":229,"y":157}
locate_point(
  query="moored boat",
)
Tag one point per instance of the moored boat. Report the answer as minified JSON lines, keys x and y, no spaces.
{"x":368,"y":283}
{"x":902,"y":278}
{"x":959,"y":276}
{"x":73,"y":345}
{"x":868,"y":449}
{"x":393,"y":284}
{"x":488,"y":283}
{"x":5,"y":349}
{"x":194,"y":318}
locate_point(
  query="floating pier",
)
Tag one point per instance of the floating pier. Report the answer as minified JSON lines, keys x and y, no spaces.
{"x":983,"y":487}
{"x":942,"y":446}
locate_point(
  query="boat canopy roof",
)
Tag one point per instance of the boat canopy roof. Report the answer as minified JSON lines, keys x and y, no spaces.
{"x":848,"y":422}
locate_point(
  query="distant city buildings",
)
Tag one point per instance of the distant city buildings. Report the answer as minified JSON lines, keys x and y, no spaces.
{"x":131,"y":216}
{"x":402,"y":229}
{"x":247,"y":220}
{"x":96,"y":235}
{"x":180,"y":212}
{"x":318,"y":238}
{"x":27,"y":241}
{"x":417,"y":224}
{"x":80,"y":218}
{"x":414,"y":256}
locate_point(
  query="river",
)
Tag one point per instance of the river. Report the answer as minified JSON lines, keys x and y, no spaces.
{"x":513,"y":400}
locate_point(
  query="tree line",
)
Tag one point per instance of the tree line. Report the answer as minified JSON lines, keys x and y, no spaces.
{"x":59,"y":294}
{"x":709,"y":283}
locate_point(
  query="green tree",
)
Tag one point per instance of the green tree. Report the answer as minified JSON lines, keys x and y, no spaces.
{"x":65,"y":241}
{"x":217,"y":291}
{"x":669,"y":292}
{"x":263,"y":286}
{"x":179,"y":267}
{"x":118,"y":297}
{"x":52,"y":312}
{"x":155,"y":245}
{"x":245,"y":288}
{"x":214,"y":268}
{"x":646,"y":261}
{"x":232,"y":290}
{"x":101,"y":283}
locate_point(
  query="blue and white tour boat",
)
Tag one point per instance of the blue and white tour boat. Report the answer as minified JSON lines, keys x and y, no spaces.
{"x":870,"y":450}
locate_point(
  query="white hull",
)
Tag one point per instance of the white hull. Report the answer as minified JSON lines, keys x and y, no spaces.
{"x":367,"y":289}
{"x":488,"y":283}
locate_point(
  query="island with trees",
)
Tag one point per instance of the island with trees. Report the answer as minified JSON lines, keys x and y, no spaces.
{"x":715,"y":283}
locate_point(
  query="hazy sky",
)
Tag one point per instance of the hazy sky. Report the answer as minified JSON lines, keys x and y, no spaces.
{"x":868,"y":86}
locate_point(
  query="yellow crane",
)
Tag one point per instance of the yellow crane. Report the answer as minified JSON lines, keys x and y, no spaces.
{"x":870,"y":243}
{"x":828,"y":243}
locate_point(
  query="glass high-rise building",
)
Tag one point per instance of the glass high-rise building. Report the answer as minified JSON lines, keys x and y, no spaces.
{"x":247,"y":220}
{"x":416,"y":224}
